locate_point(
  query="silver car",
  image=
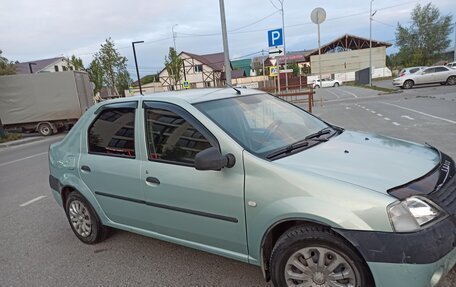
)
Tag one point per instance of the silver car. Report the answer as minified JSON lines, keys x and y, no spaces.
{"x":431,"y":75}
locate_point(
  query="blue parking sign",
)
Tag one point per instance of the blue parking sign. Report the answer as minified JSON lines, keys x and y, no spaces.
{"x":275,"y":37}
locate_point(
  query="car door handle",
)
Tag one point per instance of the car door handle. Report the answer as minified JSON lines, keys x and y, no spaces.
{"x":85,"y":168}
{"x":152,"y":180}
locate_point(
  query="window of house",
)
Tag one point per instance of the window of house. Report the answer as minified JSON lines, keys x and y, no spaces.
{"x":56,"y":68}
{"x":172,"y":138}
{"x":198,"y":68}
{"x":71,"y":68}
{"x":113,"y":133}
{"x":64,"y":68}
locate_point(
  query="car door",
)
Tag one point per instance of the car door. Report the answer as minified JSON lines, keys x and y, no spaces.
{"x":441,"y":74}
{"x":108,"y":162}
{"x":425,"y":77}
{"x":204,"y":207}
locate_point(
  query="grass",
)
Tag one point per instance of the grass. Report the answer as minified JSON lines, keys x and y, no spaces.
{"x":376,"y":88}
{"x":10,"y":137}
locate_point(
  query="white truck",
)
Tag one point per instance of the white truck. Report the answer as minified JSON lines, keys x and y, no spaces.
{"x":44,"y":102}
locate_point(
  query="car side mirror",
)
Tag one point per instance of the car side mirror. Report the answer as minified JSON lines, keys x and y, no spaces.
{"x":212,"y":159}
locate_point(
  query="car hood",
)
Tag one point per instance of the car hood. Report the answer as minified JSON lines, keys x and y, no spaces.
{"x":368,"y":160}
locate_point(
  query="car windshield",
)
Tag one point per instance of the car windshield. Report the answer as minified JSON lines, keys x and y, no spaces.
{"x":262,"y":123}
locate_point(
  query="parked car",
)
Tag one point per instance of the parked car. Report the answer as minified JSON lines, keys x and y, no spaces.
{"x":245,"y":175}
{"x":451,"y":65}
{"x":411,"y":70}
{"x":430,"y":75}
{"x":326,"y":83}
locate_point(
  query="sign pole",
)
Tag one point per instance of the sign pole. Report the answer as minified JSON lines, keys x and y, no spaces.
{"x":319,"y":55}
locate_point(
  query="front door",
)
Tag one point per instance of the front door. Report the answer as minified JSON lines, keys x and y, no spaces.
{"x":206,"y":207}
{"x":109,"y":165}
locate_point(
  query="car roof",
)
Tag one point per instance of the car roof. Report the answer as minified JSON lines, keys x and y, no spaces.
{"x":193,"y":96}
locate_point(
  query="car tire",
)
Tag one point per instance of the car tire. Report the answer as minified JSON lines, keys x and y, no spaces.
{"x":408,"y":84}
{"x":45,"y":129}
{"x":336,"y":84}
{"x":451,"y":80}
{"x":289,"y":266}
{"x":83,"y":219}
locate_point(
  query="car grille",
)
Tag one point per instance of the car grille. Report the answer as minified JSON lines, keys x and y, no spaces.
{"x":445,"y":197}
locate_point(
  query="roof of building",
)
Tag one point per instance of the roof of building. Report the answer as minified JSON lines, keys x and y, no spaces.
{"x":216,"y":61}
{"x":244,"y":64}
{"x":38,"y":65}
{"x":349,"y":42}
{"x":192,"y":95}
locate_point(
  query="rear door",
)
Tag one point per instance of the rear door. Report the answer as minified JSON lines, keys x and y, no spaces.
{"x":108,"y":163}
{"x":206,"y":207}
{"x":441,"y":74}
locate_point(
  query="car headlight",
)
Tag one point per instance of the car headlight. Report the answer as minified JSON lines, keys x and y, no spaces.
{"x":413,"y":213}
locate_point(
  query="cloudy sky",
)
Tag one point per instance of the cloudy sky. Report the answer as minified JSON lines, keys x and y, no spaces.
{"x":33,"y":30}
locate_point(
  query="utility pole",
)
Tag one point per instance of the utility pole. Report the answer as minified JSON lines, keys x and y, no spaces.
{"x":284,"y":45}
{"x":30,"y":67}
{"x":136,"y":64}
{"x":370,"y":43}
{"x":454,"y":53}
{"x":174,"y":36}
{"x":225,"y":44}
{"x":263,"y":59}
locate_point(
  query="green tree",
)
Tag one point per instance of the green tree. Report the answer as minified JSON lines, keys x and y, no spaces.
{"x":173,"y":65}
{"x":6,"y":67}
{"x":427,"y":37}
{"x":113,"y":65}
{"x":96,"y":75}
{"x":77,"y":63}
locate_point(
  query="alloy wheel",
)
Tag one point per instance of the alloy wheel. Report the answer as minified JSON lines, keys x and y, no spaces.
{"x":80,"y":218}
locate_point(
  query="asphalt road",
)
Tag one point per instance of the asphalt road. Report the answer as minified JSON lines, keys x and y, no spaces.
{"x":38,"y":247}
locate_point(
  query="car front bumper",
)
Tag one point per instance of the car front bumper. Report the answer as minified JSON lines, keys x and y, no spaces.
{"x":415,"y":259}
{"x":398,"y":82}
{"x":412,"y":275}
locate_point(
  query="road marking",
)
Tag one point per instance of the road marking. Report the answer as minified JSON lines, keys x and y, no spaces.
{"x":32,"y":201}
{"x":407,"y":117}
{"x":373,"y":112}
{"x":380,"y":115}
{"x":24,"y":158}
{"x":386,"y":119}
{"x":349,"y":93}
{"x":421,"y":113}
{"x":368,"y":109}
{"x":396,"y":124}
{"x":347,"y":108}
{"x":337,"y":96}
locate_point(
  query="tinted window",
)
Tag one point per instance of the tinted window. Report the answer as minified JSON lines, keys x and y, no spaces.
{"x":441,"y":69}
{"x":414,"y":70}
{"x":172,"y":138}
{"x":428,"y":71}
{"x":113,"y":133}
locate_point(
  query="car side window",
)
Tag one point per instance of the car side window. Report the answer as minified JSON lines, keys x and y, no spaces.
{"x":428,"y":71}
{"x":172,"y":138}
{"x":441,"y":69}
{"x":113,"y":133}
{"x":412,"y":71}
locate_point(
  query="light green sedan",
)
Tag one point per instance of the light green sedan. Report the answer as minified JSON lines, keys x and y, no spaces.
{"x":245,"y":175}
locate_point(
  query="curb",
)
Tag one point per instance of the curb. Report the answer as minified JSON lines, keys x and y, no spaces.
{"x":21,"y":141}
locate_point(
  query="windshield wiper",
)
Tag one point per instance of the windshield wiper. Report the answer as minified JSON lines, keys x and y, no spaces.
{"x":315,"y":136}
{"x":288,"y":149}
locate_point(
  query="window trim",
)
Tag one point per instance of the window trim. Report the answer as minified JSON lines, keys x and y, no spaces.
{"x":123,"y":105}
{"x":184,"y":114}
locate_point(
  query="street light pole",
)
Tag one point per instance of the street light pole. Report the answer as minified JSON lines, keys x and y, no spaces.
{"x":225,"y":44}
{"x":370,"y":44}
{"x":174,"y":36}
{"x":454,"y":53}
{"x":284,"y":45}
{"x":136,"y":64}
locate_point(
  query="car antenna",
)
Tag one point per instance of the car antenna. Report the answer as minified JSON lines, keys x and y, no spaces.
{"x":237,"y":91}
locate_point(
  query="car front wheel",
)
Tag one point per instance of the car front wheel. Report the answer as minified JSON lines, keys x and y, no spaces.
{"x":316,"y":256}
{"x":83,"y":220}
{"x":451,"y":80}
{"x":408,"y":84}
{"x":336,"y":84}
